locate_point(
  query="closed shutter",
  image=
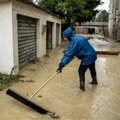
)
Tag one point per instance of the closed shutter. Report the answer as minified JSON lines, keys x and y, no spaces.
{"x":49,"y":35}
{"x":26,"y":39}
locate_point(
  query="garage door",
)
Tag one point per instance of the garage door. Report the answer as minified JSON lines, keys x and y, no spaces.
{"x":49,"y":35}
{"x":26,"y":39}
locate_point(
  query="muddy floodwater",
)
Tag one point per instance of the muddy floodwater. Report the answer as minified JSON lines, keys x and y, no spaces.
{"x":62,"y":94}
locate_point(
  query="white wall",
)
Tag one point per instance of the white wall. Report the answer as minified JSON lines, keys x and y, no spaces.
{"x":54,"y":35}
{"x":9,"y":36}
{"x":114,"y":20}
{"x":6,"y":37}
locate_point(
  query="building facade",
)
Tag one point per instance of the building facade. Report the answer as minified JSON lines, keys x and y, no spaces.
{"x":114,"y":20}
{"x":26,"y":33}
{"x":100,"y":28}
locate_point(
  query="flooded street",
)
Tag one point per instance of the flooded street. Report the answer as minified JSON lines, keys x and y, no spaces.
{"x":62,"y":94}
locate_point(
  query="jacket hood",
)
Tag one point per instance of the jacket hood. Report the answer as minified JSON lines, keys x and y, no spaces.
{"x":68,"y":33}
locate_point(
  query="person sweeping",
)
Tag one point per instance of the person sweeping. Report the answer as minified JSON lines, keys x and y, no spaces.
{"x":81,"y":48}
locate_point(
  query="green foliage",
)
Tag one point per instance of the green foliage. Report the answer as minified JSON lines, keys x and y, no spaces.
{"x":72,"y":11}
{"x":49,"y":5}
{"x":7,"y":80}
{"x":103,"y":16}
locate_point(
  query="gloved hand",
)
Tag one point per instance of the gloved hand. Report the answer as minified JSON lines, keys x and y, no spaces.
{"x":64,"y":51}
{"x":59,"y":70}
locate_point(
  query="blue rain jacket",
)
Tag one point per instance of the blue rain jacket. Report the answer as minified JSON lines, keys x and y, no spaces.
{"x":79,"y":47}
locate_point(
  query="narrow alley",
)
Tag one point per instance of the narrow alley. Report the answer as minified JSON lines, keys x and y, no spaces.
{"x":62,"y":94}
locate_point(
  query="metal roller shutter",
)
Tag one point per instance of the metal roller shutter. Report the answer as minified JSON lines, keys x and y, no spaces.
{"x":26,"y":39}
{"x":49,"y":35}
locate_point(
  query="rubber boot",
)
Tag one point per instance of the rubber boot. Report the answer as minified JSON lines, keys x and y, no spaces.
{"x":82,"y":86}
{"x":94,"y":81}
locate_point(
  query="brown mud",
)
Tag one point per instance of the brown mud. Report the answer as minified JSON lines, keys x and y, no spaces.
{"x":62,"y":94}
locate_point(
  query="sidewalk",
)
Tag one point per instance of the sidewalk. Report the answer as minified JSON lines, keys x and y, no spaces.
{"x":62,"y":94}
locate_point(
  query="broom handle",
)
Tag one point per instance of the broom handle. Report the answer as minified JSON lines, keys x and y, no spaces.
{"x":43,"y":85}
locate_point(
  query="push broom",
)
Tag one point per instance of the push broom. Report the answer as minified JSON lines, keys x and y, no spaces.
{"x":29,"y":103}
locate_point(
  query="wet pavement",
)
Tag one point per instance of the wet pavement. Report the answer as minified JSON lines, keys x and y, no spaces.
{"x":62,"y":94}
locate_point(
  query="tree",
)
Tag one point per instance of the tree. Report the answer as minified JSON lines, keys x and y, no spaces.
{"x":103,"y":16}
{"x":72,"y":11}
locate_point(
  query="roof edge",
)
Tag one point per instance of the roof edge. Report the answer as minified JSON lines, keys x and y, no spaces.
{"x":38,"y":7}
